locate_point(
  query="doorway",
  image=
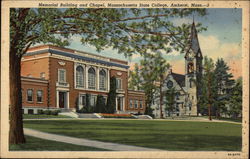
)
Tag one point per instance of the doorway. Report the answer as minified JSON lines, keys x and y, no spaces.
{"x":119,"y":103}
{"x":62,"y":99}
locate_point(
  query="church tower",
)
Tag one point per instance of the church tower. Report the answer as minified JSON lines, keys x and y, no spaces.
{"x":193,"y":72}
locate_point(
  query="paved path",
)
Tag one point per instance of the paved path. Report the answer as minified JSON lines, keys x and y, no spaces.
{"x":85,"y":142}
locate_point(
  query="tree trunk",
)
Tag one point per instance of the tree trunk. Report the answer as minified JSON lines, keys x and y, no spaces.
{"x":161,"y":98}
{"x":16,"y":134}
{"x":209,"y":97}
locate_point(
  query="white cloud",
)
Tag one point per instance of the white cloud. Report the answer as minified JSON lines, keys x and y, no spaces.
{"x":214,"y":48}
{"x":209,"y":43}
{"x":230,"y":52}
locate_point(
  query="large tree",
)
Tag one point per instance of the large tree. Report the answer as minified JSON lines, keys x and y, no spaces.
{"x":208,"y":87}
{"x":128,"y":31}
{"x":160,"y":70}
{"x":224,"y":85}
{"x":149,"y":77}
{"x":135,"y":79}
{"x":235,"y":101}
{"x":170,"y":96}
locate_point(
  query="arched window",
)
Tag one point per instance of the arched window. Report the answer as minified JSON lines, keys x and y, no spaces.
{"x":91,"y":78}
{"x":190,"y":83}
{"x":190,"y":67}
{"x":102,"y":80}
{"x":79,"y":76}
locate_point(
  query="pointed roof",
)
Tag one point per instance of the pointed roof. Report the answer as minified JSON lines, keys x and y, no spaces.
{"x":194,"y":41}
{"x":179,"y":78}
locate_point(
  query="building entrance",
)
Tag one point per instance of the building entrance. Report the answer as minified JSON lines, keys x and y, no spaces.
{"x":62,"y":99}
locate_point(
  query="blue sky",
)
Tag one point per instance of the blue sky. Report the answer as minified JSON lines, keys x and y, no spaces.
{"x":221,"y":40}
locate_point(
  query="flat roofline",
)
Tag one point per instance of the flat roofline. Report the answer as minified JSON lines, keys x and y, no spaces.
{"x":67,"y":53}
{"x":59,"y":47}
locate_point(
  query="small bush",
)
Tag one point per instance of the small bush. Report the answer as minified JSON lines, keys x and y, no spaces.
{"x":55,"y":112}
{"x":47,"y":112}
{"x":105,"y":115}
{"x":40,"y":111}
{"x":51,"y":112}
{"x":86,"y":110}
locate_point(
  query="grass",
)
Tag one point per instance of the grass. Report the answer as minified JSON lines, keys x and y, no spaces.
{"x":36,"y":144}
{"x":43,"y":116}
{"x":166,"y":135}
{"x":239,"y":120}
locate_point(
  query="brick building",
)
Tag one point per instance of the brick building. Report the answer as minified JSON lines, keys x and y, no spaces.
{"x":59,"y":78}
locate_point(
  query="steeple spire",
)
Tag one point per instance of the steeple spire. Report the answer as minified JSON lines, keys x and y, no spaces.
{"x":194,"y":42}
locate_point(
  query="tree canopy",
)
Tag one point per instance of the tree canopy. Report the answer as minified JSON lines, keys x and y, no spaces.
{"x":126,"y":30}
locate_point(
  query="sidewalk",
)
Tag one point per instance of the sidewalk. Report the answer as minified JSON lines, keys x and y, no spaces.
{"x":85,"y":142}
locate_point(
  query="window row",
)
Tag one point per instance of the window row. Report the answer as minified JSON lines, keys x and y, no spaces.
{"x":135,"y":104}
{"x":30,"y":96}
{"x":80,"y":77}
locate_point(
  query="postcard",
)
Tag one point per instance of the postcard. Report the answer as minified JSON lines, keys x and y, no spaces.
{"x":124,"y":79}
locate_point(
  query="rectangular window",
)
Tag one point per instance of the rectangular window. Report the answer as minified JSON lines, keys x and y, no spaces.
{"x":39,"y":96}
{"x":118,"y":83}
{"x":30,"y":95}
{"x":136,"y":104}
{"x":141,"y":104}
{"x":62,"y":75}
{"x":131,"y":103}
{"x":30,"y":111}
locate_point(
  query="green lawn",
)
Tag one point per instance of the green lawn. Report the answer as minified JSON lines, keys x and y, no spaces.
{"x":36,"y":144}
{"x":239,"y":120}
{"x":43,"y":116}
{"x":167,"y":135}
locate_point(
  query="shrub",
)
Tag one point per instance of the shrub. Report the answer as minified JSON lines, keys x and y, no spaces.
{"x":40,"y":111}
{"x":116,"y":115}
{"x":86,"y":109}
{"x":47,"y":112}
{"x":55,"y":112}
{"x":100,"y":105}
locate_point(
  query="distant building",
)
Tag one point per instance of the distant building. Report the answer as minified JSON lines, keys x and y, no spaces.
{"x":187,"y":89}
{"x":59,"y":78}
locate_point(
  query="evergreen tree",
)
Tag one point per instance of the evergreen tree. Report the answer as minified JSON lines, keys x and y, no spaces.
{"x":111,"y":101}
{"x":207,"y":99}
{"x":88,"y":108}
{"x":100,"y":104}
{"x":224,"y":84}
{"x":128,"y":30}
{"x":235,"y":100}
